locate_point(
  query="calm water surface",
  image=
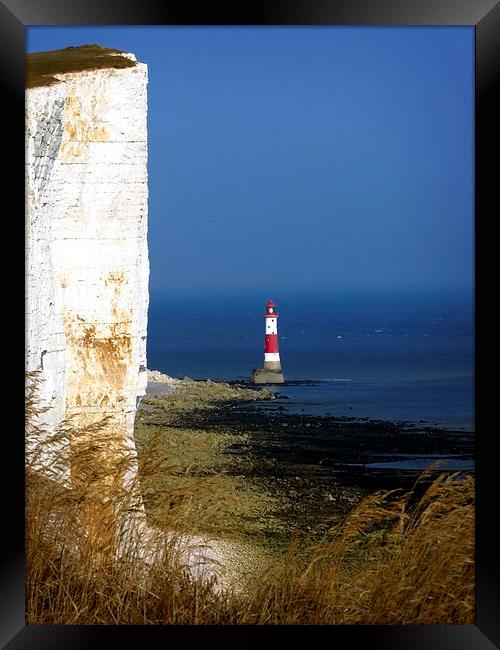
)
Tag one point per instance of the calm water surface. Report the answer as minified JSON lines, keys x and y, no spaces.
{"x":405,"y":358}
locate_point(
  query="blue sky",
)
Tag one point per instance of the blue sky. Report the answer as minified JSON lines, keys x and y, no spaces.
{"x":311,"y":159}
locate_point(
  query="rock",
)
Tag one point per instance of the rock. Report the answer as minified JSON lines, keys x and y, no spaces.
{"x":159,"y":377}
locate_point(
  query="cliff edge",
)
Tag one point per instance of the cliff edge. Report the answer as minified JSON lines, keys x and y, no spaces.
{"x":87,"y":265}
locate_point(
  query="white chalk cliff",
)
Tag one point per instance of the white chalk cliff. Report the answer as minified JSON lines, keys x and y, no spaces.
{"x":87,"y":267}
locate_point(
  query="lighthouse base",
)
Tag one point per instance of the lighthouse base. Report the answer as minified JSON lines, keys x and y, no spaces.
{"x":265,"y":376}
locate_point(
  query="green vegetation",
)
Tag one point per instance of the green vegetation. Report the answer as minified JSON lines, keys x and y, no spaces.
{"x":42,"y":66}
{"x":394,"y":559}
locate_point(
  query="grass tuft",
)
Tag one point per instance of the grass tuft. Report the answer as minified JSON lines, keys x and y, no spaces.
{"x":42,"y":66}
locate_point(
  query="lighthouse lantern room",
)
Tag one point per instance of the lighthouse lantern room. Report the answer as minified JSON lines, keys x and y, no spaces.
{"x":271,"y":372}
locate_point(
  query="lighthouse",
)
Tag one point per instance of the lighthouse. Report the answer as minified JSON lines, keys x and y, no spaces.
{"x":271,"y":372}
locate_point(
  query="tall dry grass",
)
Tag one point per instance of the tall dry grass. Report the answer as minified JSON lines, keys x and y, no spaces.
{"x":91,"y":557}
{"x":395,"y":559}
{"x":390,"y":562}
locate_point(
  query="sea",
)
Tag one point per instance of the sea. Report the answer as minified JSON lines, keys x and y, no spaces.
{"x":384,"y":356}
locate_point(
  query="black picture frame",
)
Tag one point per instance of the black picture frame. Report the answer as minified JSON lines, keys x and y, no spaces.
{"x":15,"y":16}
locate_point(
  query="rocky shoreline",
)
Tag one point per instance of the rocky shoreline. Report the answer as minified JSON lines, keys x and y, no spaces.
{"x":312,"y":469}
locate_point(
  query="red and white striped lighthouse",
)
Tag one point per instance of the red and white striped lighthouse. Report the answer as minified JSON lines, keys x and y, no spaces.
{"x":271,"y":351}
{"x":271,"y":372}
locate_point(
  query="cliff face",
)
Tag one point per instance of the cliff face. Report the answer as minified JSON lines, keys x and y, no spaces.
{"x":87,"y":266}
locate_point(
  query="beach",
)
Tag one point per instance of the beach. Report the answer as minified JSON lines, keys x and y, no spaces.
{"x":297,"y":470}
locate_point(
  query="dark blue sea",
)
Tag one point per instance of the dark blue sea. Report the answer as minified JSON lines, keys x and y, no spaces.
{"x":388,"y":357}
